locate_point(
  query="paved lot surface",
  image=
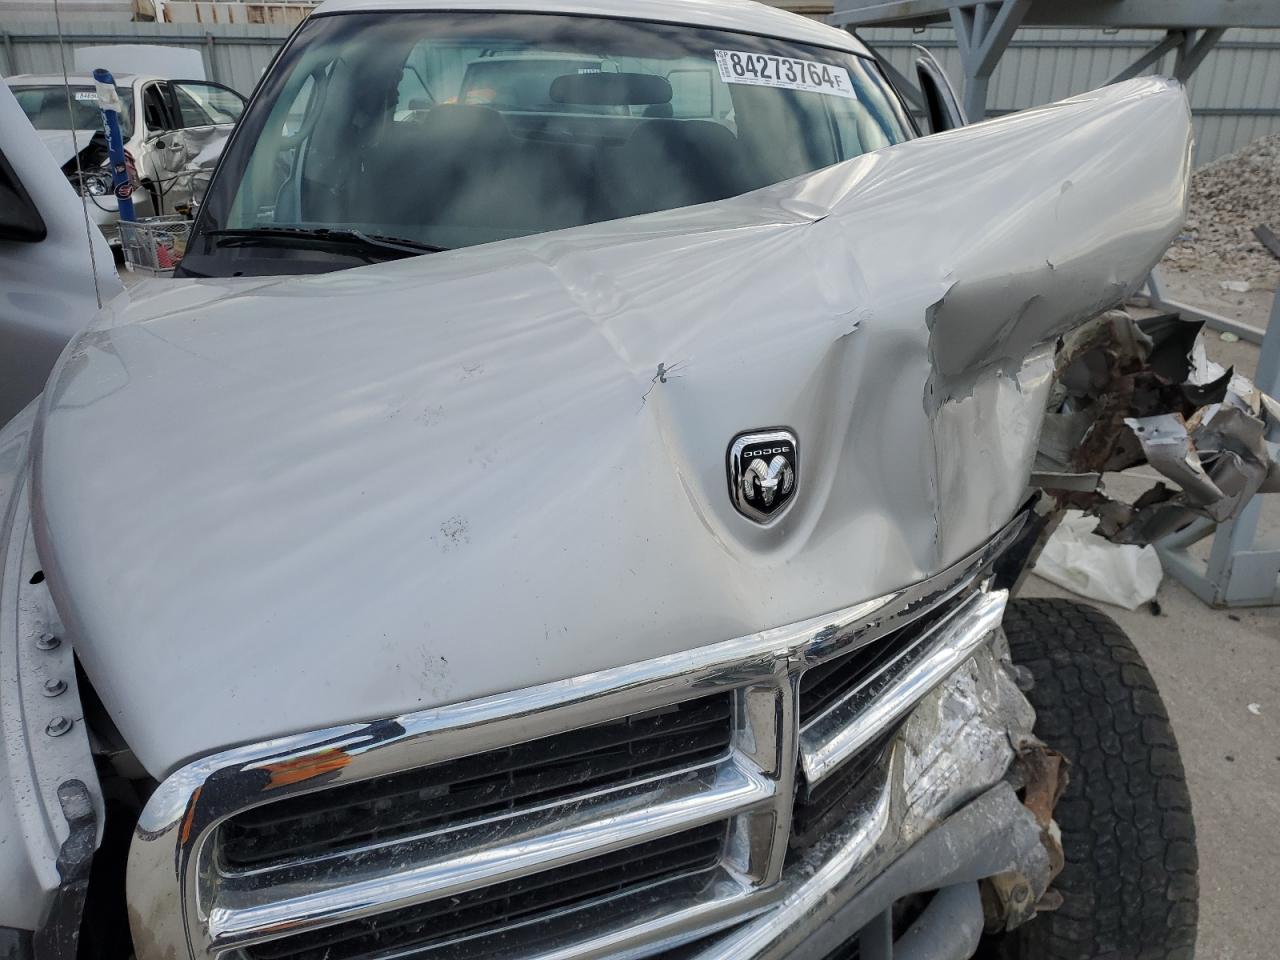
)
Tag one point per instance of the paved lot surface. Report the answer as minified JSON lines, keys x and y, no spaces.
{"x":1210,"y":667}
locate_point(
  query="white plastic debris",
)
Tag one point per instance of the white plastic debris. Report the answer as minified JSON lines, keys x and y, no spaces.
{"x":1084,"y":563}
{"x":1203,"y":370}
{"x":1226,"y":336}
{"x":1255,"y":709}
{"x":1235,"y":286}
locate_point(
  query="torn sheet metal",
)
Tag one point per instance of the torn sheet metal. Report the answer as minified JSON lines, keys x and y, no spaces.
{"x":200,"y":149}
{"x":361,"y":462}
{"x":972,"y":732}
{"x":1168,"y":448}
{"x":1012,"y":898}
{"x":1131,"y":392}
{"x":961,"y":739}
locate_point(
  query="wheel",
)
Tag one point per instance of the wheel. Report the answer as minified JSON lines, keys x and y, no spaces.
{"x":1129,"y":887}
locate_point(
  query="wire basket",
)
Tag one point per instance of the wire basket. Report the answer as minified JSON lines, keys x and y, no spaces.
{"x":154,"y":245}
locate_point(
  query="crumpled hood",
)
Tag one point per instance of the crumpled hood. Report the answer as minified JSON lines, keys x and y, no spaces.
{"x":270,"y":506}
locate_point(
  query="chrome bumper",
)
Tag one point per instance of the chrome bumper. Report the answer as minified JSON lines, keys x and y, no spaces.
{"x":942,"y":818}
{"x":958,"y":711}
{"x":992,"y":834}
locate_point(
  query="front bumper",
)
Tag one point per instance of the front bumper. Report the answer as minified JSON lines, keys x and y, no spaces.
{"x":943,"y":818}
{"x":952,"y":713}
{"x":992,"y":834}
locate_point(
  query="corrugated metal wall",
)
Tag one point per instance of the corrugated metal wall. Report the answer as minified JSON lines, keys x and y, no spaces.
{"x":233,"y":54}
{"x":1235,"y":94}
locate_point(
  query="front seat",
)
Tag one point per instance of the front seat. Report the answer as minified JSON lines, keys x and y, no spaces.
{"x":670,"y":163}
{"x":446,"y":170}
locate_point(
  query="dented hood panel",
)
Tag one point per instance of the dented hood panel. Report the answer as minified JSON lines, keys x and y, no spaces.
{"x":268,"y":506}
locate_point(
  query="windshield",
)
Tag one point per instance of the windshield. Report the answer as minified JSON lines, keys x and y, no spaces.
{"x":46,"y":108}
{"x":451,"y":129}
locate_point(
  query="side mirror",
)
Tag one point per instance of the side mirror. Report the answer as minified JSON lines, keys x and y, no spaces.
{"x":942,"y":106}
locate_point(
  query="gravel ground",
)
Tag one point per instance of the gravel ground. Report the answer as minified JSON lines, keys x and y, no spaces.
{"x":1229,"y":197}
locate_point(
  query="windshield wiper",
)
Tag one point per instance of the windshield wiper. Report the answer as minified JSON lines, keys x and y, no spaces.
{"x":371,"y":247}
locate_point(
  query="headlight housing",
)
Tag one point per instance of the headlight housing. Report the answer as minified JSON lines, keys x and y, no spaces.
{"x":92,"y":184}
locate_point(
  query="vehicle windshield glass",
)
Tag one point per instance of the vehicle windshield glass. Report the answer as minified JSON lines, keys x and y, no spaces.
{"x":46,"y":108}
{"x":451,"y":129}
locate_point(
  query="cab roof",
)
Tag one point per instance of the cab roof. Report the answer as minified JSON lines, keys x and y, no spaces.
{"x":745,"y":16}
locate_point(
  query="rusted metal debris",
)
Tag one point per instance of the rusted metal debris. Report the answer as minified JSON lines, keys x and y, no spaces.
{"x":1012,"y":898}
{"x":1133,"y":392}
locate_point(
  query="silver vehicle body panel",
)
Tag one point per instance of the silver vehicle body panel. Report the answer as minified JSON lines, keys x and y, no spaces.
{"x":745,"y":16}
{"x":37,"y":695}
{"x":272,"y":505}
{"x":47,"y":289}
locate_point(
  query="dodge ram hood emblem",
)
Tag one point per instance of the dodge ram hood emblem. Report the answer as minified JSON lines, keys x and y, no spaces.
{"x":764,"y":471}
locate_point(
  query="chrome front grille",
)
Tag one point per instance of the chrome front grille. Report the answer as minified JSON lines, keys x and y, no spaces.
{"x":819,"y":807}
{"x":483,"y":786}
{"x":827,"y":685}
{"x":619,"y":814}
{"x":834,"y":697}
{"x":690,"y":857}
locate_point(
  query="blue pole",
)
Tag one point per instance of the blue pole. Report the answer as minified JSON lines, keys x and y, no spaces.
{"x":109,"y":101}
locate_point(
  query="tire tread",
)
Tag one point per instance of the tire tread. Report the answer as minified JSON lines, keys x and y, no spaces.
{"x":1130,"y":883}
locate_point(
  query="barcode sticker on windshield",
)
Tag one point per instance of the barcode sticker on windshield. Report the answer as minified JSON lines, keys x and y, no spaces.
{"x":763,"y":70}
{"x":86,"y":95}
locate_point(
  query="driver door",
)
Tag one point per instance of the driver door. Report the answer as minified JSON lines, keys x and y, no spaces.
{"x":201,"y":115}
{"x":157,"y":159}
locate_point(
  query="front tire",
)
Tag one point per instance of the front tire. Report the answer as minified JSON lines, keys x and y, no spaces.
{"x":1130,"y":886}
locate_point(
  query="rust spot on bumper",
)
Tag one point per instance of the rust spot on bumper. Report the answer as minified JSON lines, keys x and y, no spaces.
{"x":286,"y":772}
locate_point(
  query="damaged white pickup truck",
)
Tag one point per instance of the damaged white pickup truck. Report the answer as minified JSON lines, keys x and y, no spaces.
{"x":624,"y":571}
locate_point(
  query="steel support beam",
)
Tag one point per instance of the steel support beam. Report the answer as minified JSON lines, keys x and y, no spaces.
{"x":1194,"y":48}
{"x":1121,"y":14}
{"x":983,"y":32}
{"x":10,"y":61}
{"x":1173,"y":40}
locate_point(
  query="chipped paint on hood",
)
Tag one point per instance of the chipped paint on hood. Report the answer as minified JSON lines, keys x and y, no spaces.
{"x":272,"y":505}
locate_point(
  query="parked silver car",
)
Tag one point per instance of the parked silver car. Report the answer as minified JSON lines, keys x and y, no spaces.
{"x":585,"y":521}
{"x":173,"y":133}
